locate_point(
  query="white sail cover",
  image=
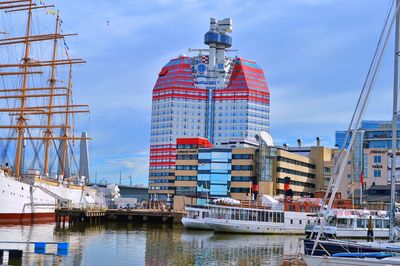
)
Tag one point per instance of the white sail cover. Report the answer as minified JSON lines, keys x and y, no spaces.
{"x":268,"y":200}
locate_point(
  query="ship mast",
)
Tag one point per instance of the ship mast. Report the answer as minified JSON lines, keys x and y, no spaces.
{"x":65,"y":139}
{"x":52,"y":82}
{"x":21,"y":119}
{"x":394,"y":129}
{"x":25,"y":92}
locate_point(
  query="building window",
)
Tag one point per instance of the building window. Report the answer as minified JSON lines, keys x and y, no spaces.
{"x":377,"y":159}
{"x":377,"y":173}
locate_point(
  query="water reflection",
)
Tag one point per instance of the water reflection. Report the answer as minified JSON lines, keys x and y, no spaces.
{"x":148,"y":244}
{"x":207,"y":248}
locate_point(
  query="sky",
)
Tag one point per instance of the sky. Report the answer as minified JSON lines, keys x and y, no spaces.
{"x":315,"y":55}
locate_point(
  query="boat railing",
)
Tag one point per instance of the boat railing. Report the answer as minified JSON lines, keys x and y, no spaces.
{"x":259,"y":205}
{"x":197,"y":206}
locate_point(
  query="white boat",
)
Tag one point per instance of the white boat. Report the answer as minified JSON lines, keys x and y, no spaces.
{"x":195,"y":217}
{"x":354,"y":224}
{"x":21,"y":201}
{"x":324,"y":252}
{"x":264,"y":220}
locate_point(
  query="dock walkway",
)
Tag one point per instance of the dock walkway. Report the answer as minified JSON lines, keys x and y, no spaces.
{"x":76,"y":215}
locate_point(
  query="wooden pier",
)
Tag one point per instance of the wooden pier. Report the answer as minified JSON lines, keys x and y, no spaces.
{"x":95,"y":216}
{"x":76,"y":215}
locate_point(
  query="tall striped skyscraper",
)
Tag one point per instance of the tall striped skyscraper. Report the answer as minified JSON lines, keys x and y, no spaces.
{"x":208,"y":95}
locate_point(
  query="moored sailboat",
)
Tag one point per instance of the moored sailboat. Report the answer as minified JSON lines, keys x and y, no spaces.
{"x":329,"y":252}
{"x":38,"y":170}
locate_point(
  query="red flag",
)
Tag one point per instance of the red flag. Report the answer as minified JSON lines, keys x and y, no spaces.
{"x":362,"y":178}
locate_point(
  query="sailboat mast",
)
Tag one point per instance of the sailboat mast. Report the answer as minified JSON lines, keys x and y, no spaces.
{"x":52,"y":84}
{"x":394,"y":127}
{"x":65,"y":146}
{"x":21,"y":119}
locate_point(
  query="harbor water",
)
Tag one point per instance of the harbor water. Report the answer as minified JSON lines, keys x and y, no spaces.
{"x":148,"y":244}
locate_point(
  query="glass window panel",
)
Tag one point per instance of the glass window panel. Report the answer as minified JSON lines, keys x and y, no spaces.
{"x":204,"y":155}
{"x":204,"y":166}
{"x":203,"y":177}
{"x":220,"y":178}
{"x":221,"y":190}
{"x":221,"y":156}
{"x":220,"y":166}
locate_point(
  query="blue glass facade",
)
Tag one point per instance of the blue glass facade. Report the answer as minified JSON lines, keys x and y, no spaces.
{"x":339,"y":139}
{"x":214,"y":173}
{"x":371,"y":134}
{"x":376,"y":134}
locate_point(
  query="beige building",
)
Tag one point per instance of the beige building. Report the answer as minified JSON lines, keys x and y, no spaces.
{"x":241,"y":171}
{"x":376,"y":170}
{"x":300,"y":169}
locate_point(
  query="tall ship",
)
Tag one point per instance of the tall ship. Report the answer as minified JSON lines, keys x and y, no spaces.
{"x":43,"y":162}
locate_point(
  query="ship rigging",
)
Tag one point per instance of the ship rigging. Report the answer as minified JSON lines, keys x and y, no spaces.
{"x":37,"y":112}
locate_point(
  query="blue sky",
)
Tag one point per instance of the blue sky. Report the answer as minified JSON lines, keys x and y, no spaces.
{"x":315,"y":55}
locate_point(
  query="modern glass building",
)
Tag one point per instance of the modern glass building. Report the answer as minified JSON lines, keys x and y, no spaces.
{"x":373,"y":134}
{"x":210,"y":95}
{"x":369,"y":155}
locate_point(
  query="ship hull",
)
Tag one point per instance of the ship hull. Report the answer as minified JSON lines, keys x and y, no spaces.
{"x":21,"y":202}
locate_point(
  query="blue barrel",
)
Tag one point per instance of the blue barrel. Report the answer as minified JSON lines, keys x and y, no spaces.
{"x":62,"y":249}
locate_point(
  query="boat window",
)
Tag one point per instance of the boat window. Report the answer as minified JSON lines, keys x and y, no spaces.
{"x":226,"y":213}
{"x":244,"y":215}
{"x":342,"y":222}
{"x":378,"y":223}
{"x":386,"y":223}
{"x":263,"y":216}
{"x":291,"y":221}
{"x":351,"y":222}
{"x":259,"y":217}
{"x":205,"y":214}
{"x":253,"y":216}
{"x":274,"y":217}
{"x":332,"y":221}
{"x":361,"y":223}
{"x":299,"y":221}
{"x":266,"y":216}
{"x":237,"y":214}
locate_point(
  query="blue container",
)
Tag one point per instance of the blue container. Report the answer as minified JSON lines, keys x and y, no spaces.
{"x":40,"y":247}
{"x":62,"y":249}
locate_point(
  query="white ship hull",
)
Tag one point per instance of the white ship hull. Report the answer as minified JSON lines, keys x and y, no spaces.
{"x":253,"y":227}
{"x":20,"y":201}
{"x":235,"y":220}
{"x":190,"y":223}
{"x":350,"y":232}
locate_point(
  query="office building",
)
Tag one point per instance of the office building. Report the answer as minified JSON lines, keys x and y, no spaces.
{"x":210,"y":95}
